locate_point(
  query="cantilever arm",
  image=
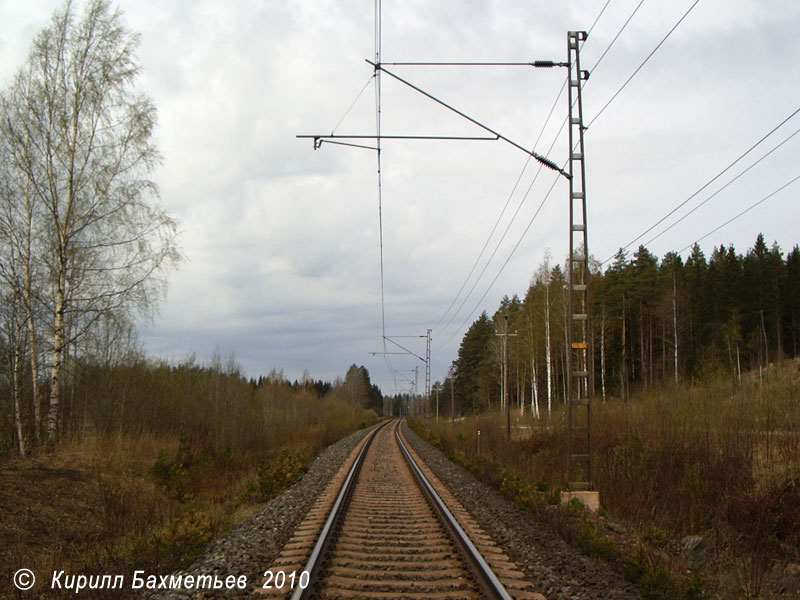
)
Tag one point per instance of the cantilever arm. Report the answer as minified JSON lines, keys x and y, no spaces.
{"x":545,"y":161}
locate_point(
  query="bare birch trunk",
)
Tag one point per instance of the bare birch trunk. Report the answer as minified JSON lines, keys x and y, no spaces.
{"x":603,"y":353}
{"x":79,"y":134}
{"x":17,"y":385}
{"x":663,"y":348}
{"x":37,"y":406}
{"x":675,"y":325}
{"x":27,"y":302}
{"x":738,"y":364}
{"x":547,"y":356}
{"x":642,"y":346}
{"x":534,"y":389}
{"x":624,"y":352}
{"x":650,"y":328}
{"x":58,"y":354}
{"x":15,"y":329}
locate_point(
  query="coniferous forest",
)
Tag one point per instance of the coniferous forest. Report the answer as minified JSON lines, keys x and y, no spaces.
{"x":695,"y":423}
{"x":654,"y":320}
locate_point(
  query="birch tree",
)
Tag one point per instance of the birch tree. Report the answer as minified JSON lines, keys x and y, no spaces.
{"x":20,"y":235}
{"x":11,"y":345}
{"x":671,"y":266}
{"x":79,"y":134}
{"x":543,"y":278}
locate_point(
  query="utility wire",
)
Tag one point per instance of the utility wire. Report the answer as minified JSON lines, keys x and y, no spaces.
{"x":531,"y":185}
{"x":499,"y":242}
{"x":708,"y":183}
{"x":600,"y":14}
{"x":480,"y":254}
{"x":644,"y":62}
{"x":544,"y":200}
{"x":591,"y":70}
{"x":519,"y":178}
{"x":558,"y":134}
{"x":503,"y":266}
{"x":745,"y":211}
{"x":510,"y":255}
{"x":502,"y":212}
{"x":619,"y":33}
{"x":648,"y":242}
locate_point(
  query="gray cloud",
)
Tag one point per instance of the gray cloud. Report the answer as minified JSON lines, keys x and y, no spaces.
{"x":282,"y":241}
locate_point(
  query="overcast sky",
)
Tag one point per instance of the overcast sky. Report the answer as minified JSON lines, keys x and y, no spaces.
{"x":281,"y":242}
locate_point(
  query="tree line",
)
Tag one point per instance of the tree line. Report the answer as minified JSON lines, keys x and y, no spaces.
{"x":356,"y":387}
{"x":213,"y":406}
{"x":653,"y":321}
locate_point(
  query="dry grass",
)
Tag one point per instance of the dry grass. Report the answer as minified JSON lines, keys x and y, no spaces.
{"x":113,"y":504}
{"x":717,"y":459}
{"x":78,"y":509}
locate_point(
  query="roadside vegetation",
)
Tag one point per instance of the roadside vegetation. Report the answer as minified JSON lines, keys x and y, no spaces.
{"x":712,"y":459}
{"x":199,"y":449}
{"x":695,"y":419}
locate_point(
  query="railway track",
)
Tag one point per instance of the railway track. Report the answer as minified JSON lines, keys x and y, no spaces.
{"x":386,"y":528}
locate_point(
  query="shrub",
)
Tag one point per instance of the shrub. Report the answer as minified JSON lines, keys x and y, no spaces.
{"x":184,"y":538}
{"x":275,"y":476}
{"x":170,"y":476}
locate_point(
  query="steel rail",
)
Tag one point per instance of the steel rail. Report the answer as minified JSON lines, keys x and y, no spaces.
{"x":490,"y":584}
{"x":314,"y":563}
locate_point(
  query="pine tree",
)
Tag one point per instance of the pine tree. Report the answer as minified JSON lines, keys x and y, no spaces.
{"x":476,"y":379}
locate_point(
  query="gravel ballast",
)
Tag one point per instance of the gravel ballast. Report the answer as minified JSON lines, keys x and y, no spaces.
{"x":560,"y":572}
